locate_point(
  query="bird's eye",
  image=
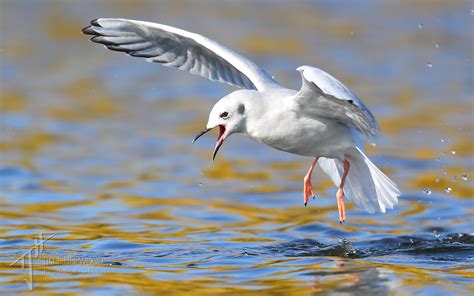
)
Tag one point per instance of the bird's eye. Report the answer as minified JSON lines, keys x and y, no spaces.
{"x":224,"y":114}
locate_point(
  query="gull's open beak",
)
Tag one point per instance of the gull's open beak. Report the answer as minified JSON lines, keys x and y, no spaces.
{"x":220,"y":139}
{"x":219,"y":142}
{"x":201,"y":134}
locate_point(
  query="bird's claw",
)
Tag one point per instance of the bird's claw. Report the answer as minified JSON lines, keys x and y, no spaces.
{"x":308,"y":191}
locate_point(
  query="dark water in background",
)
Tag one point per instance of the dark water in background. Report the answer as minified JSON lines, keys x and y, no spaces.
{"x":95,"y":149}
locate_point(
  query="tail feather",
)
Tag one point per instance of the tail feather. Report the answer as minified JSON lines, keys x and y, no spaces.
{"x":370,"y":189}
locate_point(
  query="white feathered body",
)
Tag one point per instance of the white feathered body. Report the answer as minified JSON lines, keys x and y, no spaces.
{"x":328,"y":139}
{"x":298,"y":134}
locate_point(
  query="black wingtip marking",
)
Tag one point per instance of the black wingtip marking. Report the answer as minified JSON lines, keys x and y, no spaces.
{"x":117,"y":48}
{"x":140,"y":54}
{"x":96,"y":23}
{"x":351,"y":101}
{"x":159,"y":61}
{"x":100,"y":39}
{"x":88,"y":31}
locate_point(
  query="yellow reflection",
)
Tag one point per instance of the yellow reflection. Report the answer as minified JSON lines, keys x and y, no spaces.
{"x":228,"y":170}
{"x":263,"y":44}
{"x":435,"y":181}
{"x":11,"y":101}
{"x":29,"y":141}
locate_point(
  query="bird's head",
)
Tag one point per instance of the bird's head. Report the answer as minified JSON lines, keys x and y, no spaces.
{"x":229,"y":115}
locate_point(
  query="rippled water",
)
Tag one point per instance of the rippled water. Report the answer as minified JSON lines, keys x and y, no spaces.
{"x":101,"y":191}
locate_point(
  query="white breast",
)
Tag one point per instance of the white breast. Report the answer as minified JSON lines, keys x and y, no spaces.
{"x":284,"y":129}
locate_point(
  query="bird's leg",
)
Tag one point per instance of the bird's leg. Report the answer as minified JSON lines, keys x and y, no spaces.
{"x":307,"y":188}
{"x":340,"y":193}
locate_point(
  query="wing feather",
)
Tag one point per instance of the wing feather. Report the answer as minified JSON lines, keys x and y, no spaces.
{"x":177,"y":48}
{"x":322,"y":95}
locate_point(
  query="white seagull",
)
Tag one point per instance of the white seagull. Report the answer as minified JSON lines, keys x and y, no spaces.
{"x":323,"y":120}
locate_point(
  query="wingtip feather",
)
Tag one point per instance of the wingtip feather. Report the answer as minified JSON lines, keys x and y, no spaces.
{"x":109,"y":31}
{"x":88,"y":31}
{"x":95,"y":22}
{"x":117,"y":48}
{"x":100,"y":39}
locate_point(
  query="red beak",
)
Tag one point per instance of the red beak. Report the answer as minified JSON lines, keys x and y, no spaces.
{"x":220,"y":141}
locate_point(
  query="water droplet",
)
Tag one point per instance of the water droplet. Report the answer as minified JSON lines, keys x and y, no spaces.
{"x":200,"y":184}
{"x":442,"y":140}
{"x":420,"y":25}
{"x":453,"y":152}
{"x":373,"y":144}
{"x":438,"y":159}
{"x":411,"y":241}
{"x":426,"y":191}
{"x":464,"y":176}
{"x":448,"y":190}
{"x":437,"y":180}
{"x":453,"y":178}
{"x":437,"y":45}
{"x":445,"y":173}
{"x":472,"y":11}
{"x":429,"y":65}
{"x":436,"y":234}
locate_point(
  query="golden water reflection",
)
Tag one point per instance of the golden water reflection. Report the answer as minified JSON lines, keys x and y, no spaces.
{"x":96,"y":149}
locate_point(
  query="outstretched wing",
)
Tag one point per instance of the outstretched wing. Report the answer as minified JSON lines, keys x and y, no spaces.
{"x":322,"y":95}
{"x":177,"y":48}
